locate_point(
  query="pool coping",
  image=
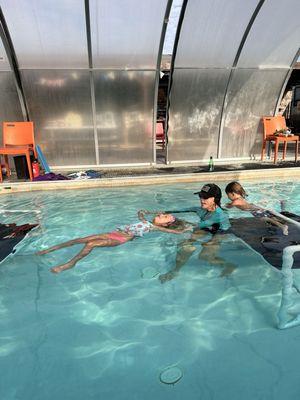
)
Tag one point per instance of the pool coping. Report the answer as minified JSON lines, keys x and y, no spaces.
{"x":13,"y":187}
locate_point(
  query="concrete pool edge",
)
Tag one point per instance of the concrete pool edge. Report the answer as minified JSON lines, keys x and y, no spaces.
{"x":13,"y":187}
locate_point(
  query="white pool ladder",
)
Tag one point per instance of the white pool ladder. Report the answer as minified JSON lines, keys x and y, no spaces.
{"x":288,"y":286}
{"x":285,"y":318}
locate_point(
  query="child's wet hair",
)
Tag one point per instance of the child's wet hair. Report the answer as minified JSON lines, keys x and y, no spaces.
{"x":170,"y":217}
{"x":178,"y":224}
{"x":237,"y":188}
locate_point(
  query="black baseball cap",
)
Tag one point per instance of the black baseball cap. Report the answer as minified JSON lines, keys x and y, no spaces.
{"x":210,"y":190}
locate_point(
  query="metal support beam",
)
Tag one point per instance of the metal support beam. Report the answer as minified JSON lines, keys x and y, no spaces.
{"x":178,"y":30}
{"x":13,"y":62}
{"x":92,"y":85}
{"x":157,"y":75}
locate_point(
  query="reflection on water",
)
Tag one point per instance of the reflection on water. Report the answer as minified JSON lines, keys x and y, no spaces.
{"x":107,"y":328}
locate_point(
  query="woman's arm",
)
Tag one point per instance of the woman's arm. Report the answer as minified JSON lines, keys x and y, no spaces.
{"x":182,"y":210}
{"x":169,"y":230}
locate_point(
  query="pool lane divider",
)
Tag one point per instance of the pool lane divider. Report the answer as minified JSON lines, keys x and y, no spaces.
{"x":286,"y":317}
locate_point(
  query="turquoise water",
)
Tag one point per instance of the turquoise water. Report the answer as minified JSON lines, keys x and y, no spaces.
{"x":107,"y":328}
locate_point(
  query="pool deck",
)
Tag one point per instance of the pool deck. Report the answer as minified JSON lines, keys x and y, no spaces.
{"x":161,"y":175}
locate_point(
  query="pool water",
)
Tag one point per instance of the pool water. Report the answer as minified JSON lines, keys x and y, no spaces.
{"x":108,"y":328}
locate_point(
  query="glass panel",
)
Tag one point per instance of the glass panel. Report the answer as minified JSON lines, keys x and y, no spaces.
{"x":195,"y":106}
{"x":124,"y":104}
{"x":47,"y":34}
{"x":10,"y":109}
{"x":126,"y":34}
{"x":252,"y":94}
{"x":4,"y":64}
{"x":274,"y":37}
{"x":211,"y":32}
{"x":60,"y":105}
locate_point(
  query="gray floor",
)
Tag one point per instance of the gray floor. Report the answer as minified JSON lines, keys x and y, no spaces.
{"x":162,"y":168}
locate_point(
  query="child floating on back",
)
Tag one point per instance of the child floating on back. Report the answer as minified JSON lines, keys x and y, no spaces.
{"x":237,"y":194}
{"x":161,"y":222}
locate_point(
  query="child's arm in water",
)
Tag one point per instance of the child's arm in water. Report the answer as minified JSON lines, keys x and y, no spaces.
{"x":141,"y":215}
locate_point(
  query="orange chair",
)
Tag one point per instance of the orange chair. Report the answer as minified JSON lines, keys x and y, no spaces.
{"x":271,"y":125}
{"x":18,"y":139}
{"x":160,"y":134}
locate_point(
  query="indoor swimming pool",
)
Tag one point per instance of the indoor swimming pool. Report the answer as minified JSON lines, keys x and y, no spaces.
{"x":109,"y":329}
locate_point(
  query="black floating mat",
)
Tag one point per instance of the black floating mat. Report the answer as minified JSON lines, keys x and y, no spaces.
{"x":267,"y":239}
{"x":10,"y":236}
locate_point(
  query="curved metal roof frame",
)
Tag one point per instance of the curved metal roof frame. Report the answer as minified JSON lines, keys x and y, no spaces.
{"x":239,"y":62}
{"x":13,"y":63}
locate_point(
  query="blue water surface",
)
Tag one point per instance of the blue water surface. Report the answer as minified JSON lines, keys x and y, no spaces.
{"x":107,"y":328}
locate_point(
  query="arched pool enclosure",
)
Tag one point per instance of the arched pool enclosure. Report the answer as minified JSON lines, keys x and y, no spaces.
{"x":87,"y":72}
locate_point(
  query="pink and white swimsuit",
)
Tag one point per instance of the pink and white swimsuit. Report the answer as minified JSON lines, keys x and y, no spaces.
{"x":137,"y":229}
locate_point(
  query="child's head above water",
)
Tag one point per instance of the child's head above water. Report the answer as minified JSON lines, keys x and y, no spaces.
{"x":163,"y":219}
{"x":235,"y":188}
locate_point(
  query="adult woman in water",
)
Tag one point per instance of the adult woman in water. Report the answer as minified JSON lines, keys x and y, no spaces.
{"x":161,"y":222}
{"x":212,"y":219}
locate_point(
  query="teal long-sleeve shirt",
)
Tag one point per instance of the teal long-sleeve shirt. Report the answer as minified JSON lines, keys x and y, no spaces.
{"x":208,"y":218}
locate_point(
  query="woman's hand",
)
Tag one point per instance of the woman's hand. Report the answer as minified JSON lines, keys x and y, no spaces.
{"x":167,"y":277}
{"x":188,"y":228}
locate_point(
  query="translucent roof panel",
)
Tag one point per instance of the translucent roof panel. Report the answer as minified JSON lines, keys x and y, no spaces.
{"x":59,"y":103}
{"x":195,"y":110}
{"x":172,"y":26}
{"x":252,"y":93}
{"x":212,"y":31}
{"x":4,"y":63}
{"x":47,"y":34}
{"x":126,"y":34}
{"x":275,"y":36}
{"x":124,"y":116}
{"x":10,"y":108}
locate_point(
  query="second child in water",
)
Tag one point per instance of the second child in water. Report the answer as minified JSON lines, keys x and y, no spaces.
{"x":237,"y":196}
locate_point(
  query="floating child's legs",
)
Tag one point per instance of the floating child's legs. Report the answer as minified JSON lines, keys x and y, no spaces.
{"x":84,"y":252}
{"x":71,"y":243}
